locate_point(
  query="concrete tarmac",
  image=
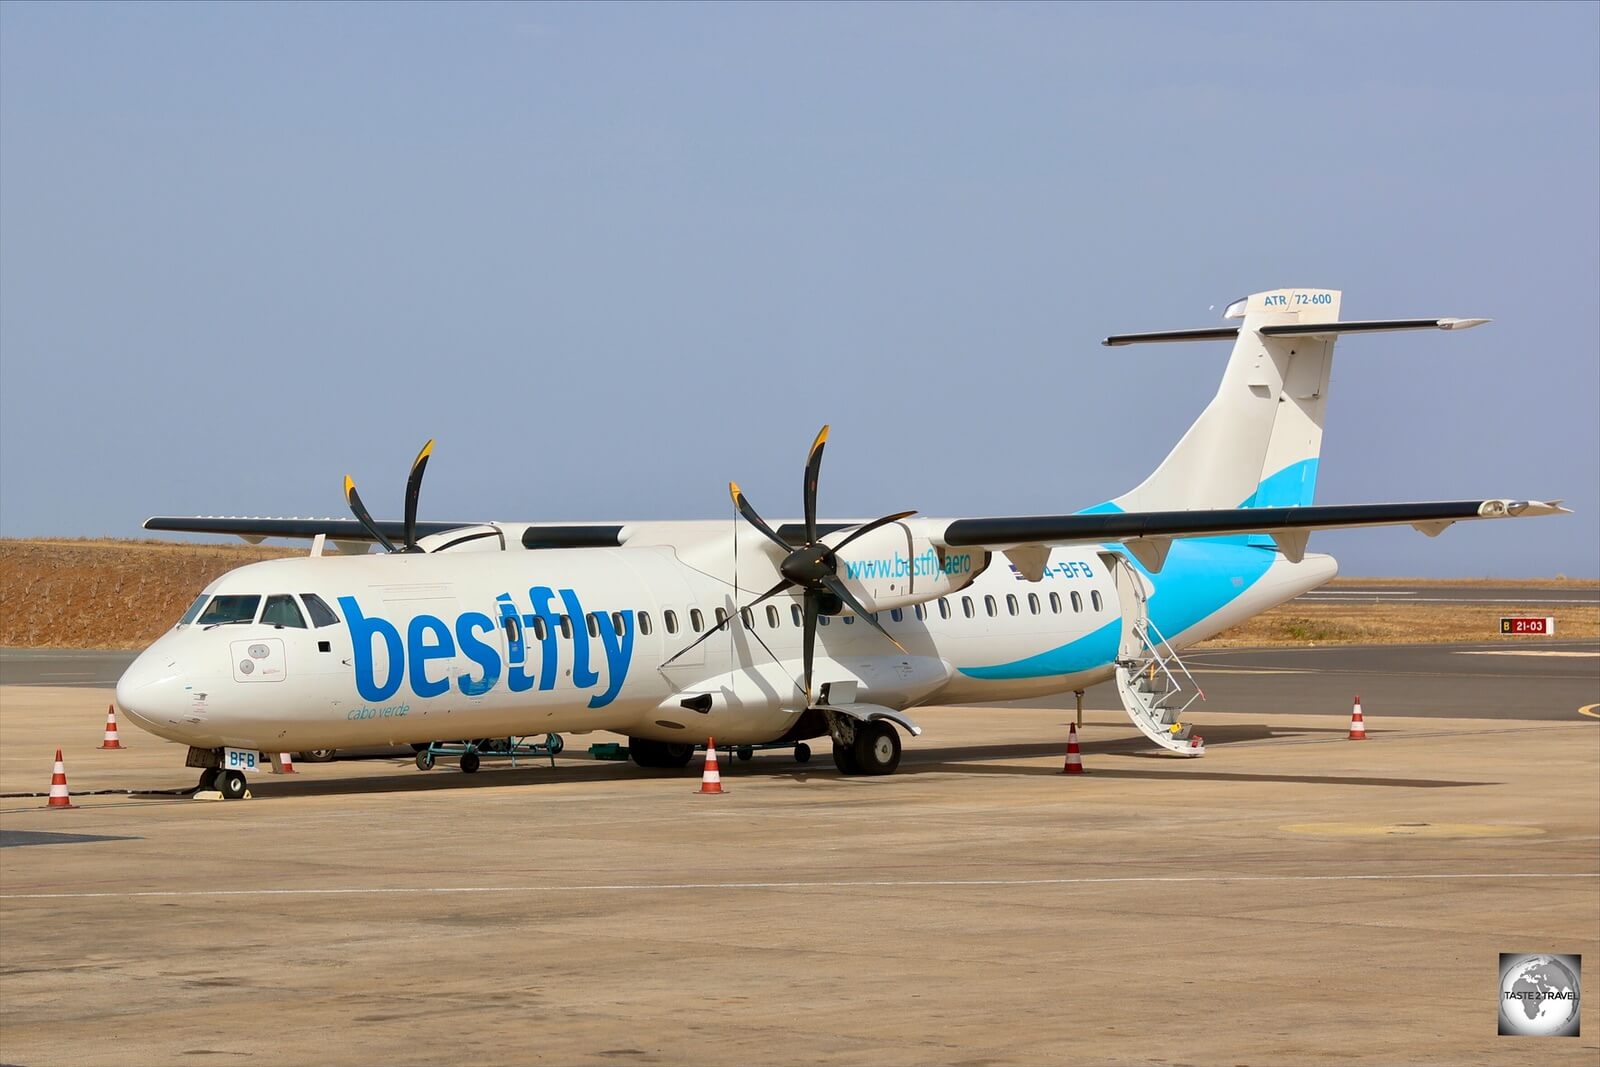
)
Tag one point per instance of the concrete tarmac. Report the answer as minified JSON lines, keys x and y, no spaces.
{"x":1291,"y":897}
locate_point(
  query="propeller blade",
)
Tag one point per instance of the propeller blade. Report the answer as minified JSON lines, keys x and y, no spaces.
{"x":862,"y":531}
{"x":754,"y":519}
{"x":774,"y":591}
{"x":363,"y":516}
{"x":413,"y":491}
{"x":813,"y":470}
{"x":809,"y":640}
{"x":840,"y":590}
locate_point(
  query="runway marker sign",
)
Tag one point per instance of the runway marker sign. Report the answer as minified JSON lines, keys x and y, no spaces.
{"x":1529,"y":625}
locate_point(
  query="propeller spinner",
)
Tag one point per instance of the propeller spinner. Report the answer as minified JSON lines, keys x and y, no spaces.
{"x":811,"y":566}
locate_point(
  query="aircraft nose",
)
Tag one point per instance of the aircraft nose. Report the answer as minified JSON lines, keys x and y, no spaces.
{"x":153,"y":691}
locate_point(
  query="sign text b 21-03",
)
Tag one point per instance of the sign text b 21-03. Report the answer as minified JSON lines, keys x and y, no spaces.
{"x":1529,"y":625}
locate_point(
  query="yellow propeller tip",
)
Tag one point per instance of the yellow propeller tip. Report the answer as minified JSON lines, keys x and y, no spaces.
{"x":822,"y":439}
{"x":427,"y":450}
{"x":733,"y":490}
{"x":349,"y":484}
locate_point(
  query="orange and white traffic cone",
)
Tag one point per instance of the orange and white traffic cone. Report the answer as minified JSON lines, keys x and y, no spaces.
{"x":59,"y":797}
{"x":1074,"y":757}
{"x":711,"y":778}
{"x":111,"y":740}
{"x":1358,"y":726}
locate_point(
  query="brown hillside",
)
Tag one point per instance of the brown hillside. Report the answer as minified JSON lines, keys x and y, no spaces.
{"x":106,"y":594}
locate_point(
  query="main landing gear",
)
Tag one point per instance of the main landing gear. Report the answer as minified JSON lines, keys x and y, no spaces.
{"x":866,"y":748}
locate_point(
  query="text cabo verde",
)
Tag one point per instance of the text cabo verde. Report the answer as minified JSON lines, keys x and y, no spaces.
{"x":427,"y":654}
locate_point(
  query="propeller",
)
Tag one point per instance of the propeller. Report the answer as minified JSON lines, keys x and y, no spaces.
{"x":413,"y":492}
{"x":811,"y":566}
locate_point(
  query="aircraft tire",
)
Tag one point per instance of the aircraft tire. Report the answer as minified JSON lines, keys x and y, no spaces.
{"x":319,"y":755}
{"x":877,"y":748}
{"x":231,"y":784}
{"x":208,"y":779}
{"x":660,"y":755}
{"x":469,"y":763}
{"x":844,"y":758}
{"x":424,"y":760}
{"x":802,"y":753}
{"x":746,"y":753}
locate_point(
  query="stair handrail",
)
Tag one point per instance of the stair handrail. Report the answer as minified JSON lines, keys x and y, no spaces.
{"x":1156,"y":656}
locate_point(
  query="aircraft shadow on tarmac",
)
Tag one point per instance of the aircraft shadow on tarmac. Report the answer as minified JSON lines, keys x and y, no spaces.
{"x":973,"y":760}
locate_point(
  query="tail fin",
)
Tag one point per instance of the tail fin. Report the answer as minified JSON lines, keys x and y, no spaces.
{"x":1257,"y":443}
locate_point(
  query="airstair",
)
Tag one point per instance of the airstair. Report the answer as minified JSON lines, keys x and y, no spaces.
{"x":1155,"y":687}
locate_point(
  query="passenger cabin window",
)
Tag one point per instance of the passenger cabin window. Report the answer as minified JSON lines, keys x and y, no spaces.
{"x":194,"y":610}
{"x":317,"y":608}
{"x":616,"y":623}
{"x":539,"y":628}
{"x":922,"y":611}
{"x":848,"y":620}
{"x":1033,"y":603}
{"x":748,"y":619}
{"x":1094,"y":598}
{"x":697,"y":621}
{"x":796,"y":614}
{"x":226,"y":609}
{"x":1055,"y":603}
{"x":989,"y":606}
{"x":824,"y":620}
{"x":772,"y":617}
{"x":670,"y":617}
{"x":281,"y":610}
{"x":566,"y":627}
{"x":1011,"y":604}
{"x":594,"y":625}
{"x":966,"y":606}
{"x":1077,"y":602}
{"x":897,"y":615}
{"x":944,"y":608}
{"x":722,"y":618}
{"x":513,"y":627}
{"x":644,"y":623}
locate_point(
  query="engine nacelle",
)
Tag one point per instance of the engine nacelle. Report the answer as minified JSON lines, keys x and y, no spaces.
{"x":896,"y":566}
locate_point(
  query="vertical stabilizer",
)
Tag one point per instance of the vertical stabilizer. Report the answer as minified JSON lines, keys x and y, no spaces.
{"x":1257,"y":443}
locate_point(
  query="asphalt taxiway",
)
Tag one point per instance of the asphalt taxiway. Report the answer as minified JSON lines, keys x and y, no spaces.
{"x":1276,"y":901}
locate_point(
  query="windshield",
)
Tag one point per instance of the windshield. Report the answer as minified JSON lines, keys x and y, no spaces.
{"x":194,"y":609}
{"x":230,"y":609}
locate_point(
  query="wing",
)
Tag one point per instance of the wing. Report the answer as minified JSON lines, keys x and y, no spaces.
{"x":1148,"y":534}
{"x":349,"y":531}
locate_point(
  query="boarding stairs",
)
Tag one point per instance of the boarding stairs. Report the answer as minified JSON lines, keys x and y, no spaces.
{"x":1156,"y":688}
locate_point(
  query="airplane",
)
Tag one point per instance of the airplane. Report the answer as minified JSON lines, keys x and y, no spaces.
{"x":674,"y":632}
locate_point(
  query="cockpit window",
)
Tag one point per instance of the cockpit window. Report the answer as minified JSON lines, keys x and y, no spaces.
{"x":317,"y":608}
{"x":194,"y":609}
{"x":225,"y":609}
{"x":281,"y":611}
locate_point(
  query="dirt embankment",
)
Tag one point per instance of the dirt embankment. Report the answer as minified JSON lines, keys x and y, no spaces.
{"x":106,"y":594}
{"x":124,"y":594}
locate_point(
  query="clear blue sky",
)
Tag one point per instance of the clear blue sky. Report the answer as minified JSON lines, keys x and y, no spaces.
{"x":613,"y":256}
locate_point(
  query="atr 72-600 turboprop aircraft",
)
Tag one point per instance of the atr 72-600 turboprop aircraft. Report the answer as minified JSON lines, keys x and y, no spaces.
{"x":672,"y":632}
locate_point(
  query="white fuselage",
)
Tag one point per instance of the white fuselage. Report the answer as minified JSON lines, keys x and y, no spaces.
{"x":455,"y":645}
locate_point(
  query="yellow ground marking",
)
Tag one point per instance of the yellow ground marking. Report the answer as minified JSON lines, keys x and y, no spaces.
{"x":1410,"y":829}
{"x":1590,"y":710}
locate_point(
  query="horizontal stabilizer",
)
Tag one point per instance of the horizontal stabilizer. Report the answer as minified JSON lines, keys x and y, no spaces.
{"x":1298,"y":329}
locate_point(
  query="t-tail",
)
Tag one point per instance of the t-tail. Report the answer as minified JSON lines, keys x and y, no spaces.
{"x":1257,"y":444}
